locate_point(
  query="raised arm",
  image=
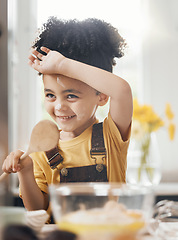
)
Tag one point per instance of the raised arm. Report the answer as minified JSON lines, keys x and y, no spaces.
{"x":115,"y":87}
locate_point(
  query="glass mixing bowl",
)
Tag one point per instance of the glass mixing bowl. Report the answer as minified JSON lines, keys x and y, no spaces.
{"x":101,"y":207}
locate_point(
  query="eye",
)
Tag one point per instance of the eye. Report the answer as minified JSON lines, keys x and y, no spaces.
{"x":72,"y":96}
{"x":50,"y":96}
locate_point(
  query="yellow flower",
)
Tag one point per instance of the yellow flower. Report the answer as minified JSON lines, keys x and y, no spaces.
{"x":145,"y":114}
{"x":168,"y":112}
{"x":171,"y":130}
{"x":149,"y":120}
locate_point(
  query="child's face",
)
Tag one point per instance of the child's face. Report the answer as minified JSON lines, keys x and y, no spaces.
{"x":71,"y":103}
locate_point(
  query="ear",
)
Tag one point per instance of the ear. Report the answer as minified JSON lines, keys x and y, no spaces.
{"x":103,"y":99}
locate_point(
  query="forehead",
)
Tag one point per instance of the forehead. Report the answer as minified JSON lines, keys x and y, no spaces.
{"x":60,"y":82}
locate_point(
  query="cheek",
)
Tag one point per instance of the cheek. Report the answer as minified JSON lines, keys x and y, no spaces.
{"x":82,"y":114}
{"x":86,"y":111}
{"x":49,"y":107}
{"x":80,"y":111}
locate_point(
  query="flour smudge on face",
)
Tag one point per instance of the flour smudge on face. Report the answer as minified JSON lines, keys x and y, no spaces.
{"x":59,"y":81}
{"x":58,"y":107}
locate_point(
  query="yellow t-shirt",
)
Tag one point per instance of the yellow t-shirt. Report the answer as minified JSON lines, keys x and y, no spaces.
{"x":76,"y":152}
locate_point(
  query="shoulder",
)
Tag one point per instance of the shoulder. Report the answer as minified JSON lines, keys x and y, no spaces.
{"x":39,"y":158}
{"x":111,"y":130}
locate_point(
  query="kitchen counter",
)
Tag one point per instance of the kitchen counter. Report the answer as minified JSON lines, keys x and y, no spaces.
{"x":166,"y":189}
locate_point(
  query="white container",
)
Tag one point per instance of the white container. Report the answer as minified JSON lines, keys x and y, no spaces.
{"x":12,"y":215}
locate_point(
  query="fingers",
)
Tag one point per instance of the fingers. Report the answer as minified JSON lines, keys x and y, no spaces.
{"x":35,"y":55}
{"x":44,"y":49}
{"x":36,"y":58}
{"x":34,"y":62}
{"x":12,"y":162}
{"x":32,"y":58}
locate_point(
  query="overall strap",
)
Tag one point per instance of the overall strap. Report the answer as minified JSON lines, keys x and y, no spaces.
{"x":98,"y":149}
{"x":97,"y":141}
{"x":54,"y":157}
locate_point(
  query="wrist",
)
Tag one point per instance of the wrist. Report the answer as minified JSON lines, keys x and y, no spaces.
{"x":62,"y":66}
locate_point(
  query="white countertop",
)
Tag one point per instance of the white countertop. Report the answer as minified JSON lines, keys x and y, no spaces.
{"x":166,"y":189}
{"x":162,"y":189}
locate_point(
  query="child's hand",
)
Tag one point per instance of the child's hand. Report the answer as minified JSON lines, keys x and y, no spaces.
{"x":13,"y":163}
{"x":49,"y":64}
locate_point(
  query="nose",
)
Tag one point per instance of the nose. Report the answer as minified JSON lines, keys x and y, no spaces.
{"x":58,"y":107}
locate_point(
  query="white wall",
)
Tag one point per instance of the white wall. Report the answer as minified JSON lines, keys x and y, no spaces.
{"x":160,"y":73}
{"x":22,"y":79}
{"x":22,"y":82}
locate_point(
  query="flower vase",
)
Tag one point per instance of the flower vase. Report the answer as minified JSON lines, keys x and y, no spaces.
{"x":144,"y":165}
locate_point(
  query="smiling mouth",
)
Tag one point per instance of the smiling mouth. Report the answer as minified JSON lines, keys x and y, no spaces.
{"x":65,"y":117}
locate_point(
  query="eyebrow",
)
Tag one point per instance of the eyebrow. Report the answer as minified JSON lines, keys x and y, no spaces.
{"x":71,"y":90}
{"x":48,"y":90}
{"x":65,"y":91}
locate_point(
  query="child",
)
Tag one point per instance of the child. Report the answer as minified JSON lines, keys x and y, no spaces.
{"x":76,"y":60}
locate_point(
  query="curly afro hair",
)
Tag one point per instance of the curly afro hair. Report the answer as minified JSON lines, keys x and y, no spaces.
{"x":91,"y":41}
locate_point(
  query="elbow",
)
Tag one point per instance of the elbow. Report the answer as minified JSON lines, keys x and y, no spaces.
{"x":124,"y":92}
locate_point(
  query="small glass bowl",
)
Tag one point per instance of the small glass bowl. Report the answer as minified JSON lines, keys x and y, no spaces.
{"x":101,"y":207}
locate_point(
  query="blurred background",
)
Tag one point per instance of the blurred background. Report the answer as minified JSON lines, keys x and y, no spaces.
{"x":150,"y":28}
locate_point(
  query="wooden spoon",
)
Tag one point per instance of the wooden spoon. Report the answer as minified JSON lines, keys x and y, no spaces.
{"x":44,"y":137}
